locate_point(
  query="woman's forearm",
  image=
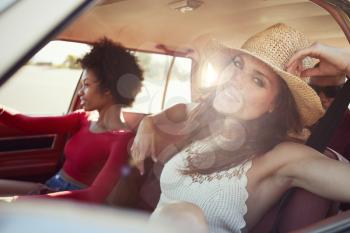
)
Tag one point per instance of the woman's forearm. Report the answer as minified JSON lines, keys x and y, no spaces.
{"x":50,"y":124}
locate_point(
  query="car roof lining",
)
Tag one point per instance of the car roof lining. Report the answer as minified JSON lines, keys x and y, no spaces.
{"x":143,"y":25}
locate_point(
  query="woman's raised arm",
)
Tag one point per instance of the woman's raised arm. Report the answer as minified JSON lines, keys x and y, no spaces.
{"x":309,"y":169}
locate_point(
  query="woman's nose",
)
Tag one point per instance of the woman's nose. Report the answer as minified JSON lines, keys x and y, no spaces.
{"x":80,"y":91}
{"x":237,"y":80}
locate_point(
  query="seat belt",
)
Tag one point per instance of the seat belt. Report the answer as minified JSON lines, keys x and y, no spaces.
{"x":320,"y":137}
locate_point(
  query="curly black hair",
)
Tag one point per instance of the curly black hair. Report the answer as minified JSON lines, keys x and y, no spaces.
{"x":116,"y":70}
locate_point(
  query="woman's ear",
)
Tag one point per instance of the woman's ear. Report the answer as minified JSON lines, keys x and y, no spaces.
{"x":108,"y":95}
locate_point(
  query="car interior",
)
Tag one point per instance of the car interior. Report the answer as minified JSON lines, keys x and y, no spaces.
{"x":181,"y":29}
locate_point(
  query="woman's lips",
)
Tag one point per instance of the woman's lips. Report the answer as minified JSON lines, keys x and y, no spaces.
{"x":82,"y":101}
{"x":233,"y":94}
{"x":228,"y":100}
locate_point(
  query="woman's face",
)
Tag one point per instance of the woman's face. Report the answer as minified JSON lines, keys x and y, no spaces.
{"x":91,"y":96}
{"x":247,"y":88}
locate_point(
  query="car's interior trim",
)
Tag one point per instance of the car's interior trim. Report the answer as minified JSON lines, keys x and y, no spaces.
{"x":339,"y":12}
{"x":338,"y":223}
{"x":167,"y":79}
{"x":75,"y":102}
{"x":22,"y":144}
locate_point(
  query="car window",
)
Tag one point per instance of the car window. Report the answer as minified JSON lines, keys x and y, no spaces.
{"x":161,"y":90}
{"x":46,"y":84}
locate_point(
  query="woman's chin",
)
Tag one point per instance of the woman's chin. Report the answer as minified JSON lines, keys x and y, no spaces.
{"x":86,"y":108}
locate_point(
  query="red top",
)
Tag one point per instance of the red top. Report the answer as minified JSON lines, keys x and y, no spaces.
{"x":94,"y":159}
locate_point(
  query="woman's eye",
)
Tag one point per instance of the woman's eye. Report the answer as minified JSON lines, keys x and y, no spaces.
{"x":258,"y":82}
{"x":237,"y":62}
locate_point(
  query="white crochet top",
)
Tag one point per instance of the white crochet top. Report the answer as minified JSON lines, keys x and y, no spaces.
{"x":222,"y":195}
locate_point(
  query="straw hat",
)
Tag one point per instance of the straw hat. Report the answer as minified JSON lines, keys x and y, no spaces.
{"x":275,"y":46}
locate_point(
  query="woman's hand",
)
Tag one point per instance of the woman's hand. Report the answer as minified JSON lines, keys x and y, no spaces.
{"x":333,"y":61}
{"x":144,"y":144}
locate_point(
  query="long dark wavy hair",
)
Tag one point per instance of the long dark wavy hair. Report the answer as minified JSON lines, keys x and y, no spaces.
{"x":261,"y":134}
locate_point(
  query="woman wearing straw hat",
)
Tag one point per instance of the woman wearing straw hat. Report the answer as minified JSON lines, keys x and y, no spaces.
{"x":230,"y":157}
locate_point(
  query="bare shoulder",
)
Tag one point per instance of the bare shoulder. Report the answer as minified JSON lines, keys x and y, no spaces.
{"x":291,"y":149}
{"x":290,"y":152}
{"x":188,"y":106}
{"x":268,"y":169}
{"x":175,"y":113}
{"x":288,"y":159}
{"x":177,"y":107}
{"x":279,"y":165}
{"x":179,"y":112}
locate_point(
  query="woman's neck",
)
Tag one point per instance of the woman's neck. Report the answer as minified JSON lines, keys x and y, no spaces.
{"x":109,"y":118}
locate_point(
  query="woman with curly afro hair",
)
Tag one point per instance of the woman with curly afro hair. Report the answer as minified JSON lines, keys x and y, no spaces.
{"x":98,"y":146}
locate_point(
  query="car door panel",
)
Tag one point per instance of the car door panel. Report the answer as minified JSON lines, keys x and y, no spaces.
{"x":24,"y":155}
